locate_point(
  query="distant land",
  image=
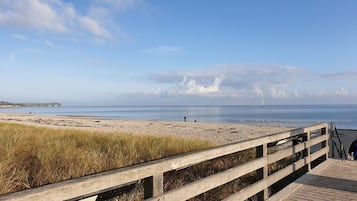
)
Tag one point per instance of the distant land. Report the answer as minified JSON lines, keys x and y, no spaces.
{"x":4,"y":104}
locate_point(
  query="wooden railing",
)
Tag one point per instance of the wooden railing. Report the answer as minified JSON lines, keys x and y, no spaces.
{"x":314,"y":145}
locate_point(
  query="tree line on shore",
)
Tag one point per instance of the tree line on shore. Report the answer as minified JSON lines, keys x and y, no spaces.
{"x":8,"y":104}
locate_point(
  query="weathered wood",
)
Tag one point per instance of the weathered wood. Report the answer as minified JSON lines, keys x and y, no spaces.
{"x":294,"y":149}
{"x":293,"y":186}
{"x":319,"y":153}
{"x":153,"y":172}
{"x":323,"y":127}
{"x":248,"y":192}
{"x":323,"y":183}
{"x":295,"y":166}
{"x":319,"y":139}
{"x":309,"y":150}
{"x":158,"y":184}
{"x":200,"y":186}
{"x":286,"y":171}
{"x":286,"y":152}
{"x":265,"y":172}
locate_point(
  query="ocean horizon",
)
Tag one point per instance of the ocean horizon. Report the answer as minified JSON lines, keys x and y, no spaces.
{"x":345,"y":116}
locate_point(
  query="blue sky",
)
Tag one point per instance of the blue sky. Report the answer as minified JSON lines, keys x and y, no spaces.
{"x":141,"y":52}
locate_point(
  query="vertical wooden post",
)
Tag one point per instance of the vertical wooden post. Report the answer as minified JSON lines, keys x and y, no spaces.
{"x":154,"y":186}
{"x":308,"y":151}
{"x":262,"y":151}
{"x":325,"y":143}
{"x":158,"y":189}
{"x":332,"y":137}
{"x":265,"y":170}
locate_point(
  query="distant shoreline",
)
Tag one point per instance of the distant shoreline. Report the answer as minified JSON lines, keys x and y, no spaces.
{"x":4,"y":105}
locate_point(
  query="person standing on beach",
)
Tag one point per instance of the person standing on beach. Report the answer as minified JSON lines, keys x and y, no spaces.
{"x":353,"y":148}
{"x":184,"y":118}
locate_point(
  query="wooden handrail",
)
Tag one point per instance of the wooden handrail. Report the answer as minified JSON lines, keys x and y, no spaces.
{"x":98,"y":183}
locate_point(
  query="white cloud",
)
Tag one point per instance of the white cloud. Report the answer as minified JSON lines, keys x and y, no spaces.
{"x":97,"y":40}
{"x":33,"y":51}
{"x":190,"y":86}
{"x":93,"y":27}
{"x":164,"y":50}
{"x":158,"y":91}
{"x":320,"y":93}
{"x":121,"y":5}
{"x":68,"y":13}
{"x":247,"y":84}
{"x":278,"y":93}
{"x":31,"y":14}
{"x":258,"y":91}
{"x":340,"y":75}
{"x":99,"y":13}
{"x":50,"y":44}
{"x":268,"y":81}
{"x":296,"y":93}
{"x":342,"y":92}
{"x":49,"y":16}
{"x":19,"y":36}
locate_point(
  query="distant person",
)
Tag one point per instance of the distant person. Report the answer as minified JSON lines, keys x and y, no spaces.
{"x":184,"y":119}
{"x":353,"y":148}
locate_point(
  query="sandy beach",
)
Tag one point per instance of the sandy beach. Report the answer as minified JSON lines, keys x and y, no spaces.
{"x":217,"y":132}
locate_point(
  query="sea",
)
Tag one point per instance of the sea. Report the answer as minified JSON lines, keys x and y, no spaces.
{"x":344,"y":116}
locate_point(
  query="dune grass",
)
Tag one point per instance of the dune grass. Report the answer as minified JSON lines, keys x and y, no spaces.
{"x":34,"y":156}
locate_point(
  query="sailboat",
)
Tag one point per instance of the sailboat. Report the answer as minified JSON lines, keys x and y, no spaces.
{"x":263,"y":104}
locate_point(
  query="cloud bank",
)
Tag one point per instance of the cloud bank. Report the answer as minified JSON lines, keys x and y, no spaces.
{"x":249,"y":84}
{"x":231,"y":80}
{"x":35,"y":14}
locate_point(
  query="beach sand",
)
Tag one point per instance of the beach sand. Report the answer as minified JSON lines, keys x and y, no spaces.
{"x":219,"y":133}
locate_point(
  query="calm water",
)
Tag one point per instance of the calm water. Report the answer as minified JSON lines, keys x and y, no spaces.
{"x":345,"y":116}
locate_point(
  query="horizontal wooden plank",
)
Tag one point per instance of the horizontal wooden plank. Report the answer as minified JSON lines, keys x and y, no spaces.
{"x":259,"y":186}
{"x":295,"y":166}
{"x":294,"y":149}
{"x":319,"y":139}
{"x":316,"y":127}
{"x":286,"y":152}
{"x":286,"y":171}
{"x":248,"y":192}
{"x":319,"y":153}
{"x":203,"y":185}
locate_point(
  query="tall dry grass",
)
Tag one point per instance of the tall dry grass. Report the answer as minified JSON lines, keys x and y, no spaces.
{"x":34,"y":156}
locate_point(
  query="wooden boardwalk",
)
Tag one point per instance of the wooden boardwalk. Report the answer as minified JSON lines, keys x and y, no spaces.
{"x":331,"y":180}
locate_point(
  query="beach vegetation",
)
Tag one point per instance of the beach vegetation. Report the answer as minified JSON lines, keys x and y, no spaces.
{"x":34,"y":156}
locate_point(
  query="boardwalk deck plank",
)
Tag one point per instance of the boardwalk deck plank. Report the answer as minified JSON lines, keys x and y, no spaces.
{"x":332,"y":180}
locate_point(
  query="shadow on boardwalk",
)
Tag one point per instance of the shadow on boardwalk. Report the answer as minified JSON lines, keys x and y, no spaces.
{"x":332,"y":180}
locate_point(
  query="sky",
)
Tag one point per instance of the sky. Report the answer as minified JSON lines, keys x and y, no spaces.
{"x":179,"y":52}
